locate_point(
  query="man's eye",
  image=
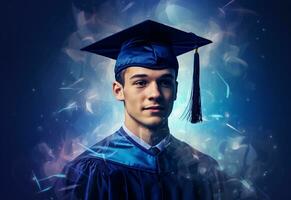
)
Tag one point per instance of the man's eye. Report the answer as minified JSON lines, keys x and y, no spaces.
{"x":166,"y":83}
{"x":140,"y":83}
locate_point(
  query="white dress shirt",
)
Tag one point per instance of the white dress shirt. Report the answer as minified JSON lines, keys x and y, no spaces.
{"x":161,"y":145}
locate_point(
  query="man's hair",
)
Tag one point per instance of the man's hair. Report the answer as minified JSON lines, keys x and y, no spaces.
{"x":119,"y":77}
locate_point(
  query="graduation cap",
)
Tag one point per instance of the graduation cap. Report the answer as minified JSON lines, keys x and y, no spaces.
{"x":154,"y":45}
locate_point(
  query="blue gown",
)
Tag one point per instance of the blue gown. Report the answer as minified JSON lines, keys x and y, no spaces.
{"x":119,"y":168}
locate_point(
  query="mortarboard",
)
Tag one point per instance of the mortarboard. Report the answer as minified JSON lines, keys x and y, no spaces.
{"x":154,"y":45}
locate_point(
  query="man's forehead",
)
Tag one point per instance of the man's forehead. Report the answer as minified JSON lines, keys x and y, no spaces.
{"x":136,"y":70}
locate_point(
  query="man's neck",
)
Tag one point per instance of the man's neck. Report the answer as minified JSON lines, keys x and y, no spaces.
{"x":151,"y":135}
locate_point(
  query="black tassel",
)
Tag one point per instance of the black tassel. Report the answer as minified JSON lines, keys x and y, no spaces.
{"x":194,"y":113}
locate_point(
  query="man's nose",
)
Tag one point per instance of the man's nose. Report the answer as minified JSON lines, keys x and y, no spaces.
{"x":154,"y":91}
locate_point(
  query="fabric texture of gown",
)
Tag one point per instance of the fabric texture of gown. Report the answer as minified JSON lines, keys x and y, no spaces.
{"x":118,"y":168}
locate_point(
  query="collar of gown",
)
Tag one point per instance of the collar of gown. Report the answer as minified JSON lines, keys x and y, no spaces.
{"x":121,"y":149}
{"x":161,"y":145}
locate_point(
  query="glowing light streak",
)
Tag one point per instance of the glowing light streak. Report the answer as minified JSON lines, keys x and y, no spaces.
{"x":88,"y":149}
{"x":228,"y":4}
{"x":92,"y":96}
{"x":77,"y":81}
{"x":69,"y":107}
{"x":222,"y":9}
{"x":216,"y":116}
{"x":229,"y":57}
{"x":34,"y":178}
{"x":89,"y":107}
{"x":210,"y":94}
{"x":81,"y":90}
{"x":69,"y":88}
{"x":195,"y":156}
{"x":203,"y":119}
{"x":38,"y":181}
{"x":69,"y":187}
{"x":94,"y":153}
{"x":46,"y":189}
{"x":89,"y":38}
{"x":233,"y":128}
{"x":128,"y":6}
{"x":246,"y":184}
{"x":226,"y":84}
{"x":53,"y":176}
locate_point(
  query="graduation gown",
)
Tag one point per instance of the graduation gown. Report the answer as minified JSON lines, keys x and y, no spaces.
{"x":119,"y":168}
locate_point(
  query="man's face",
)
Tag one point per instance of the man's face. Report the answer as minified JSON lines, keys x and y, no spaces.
{"x":148,"y":95}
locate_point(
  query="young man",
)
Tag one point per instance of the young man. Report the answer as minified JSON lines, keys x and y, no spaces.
{"x":142,"y":160}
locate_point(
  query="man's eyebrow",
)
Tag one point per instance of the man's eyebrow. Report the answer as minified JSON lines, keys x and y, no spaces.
{"x":145,"y":75}
{"x":138,"y":76}
{"x":167,"y":76}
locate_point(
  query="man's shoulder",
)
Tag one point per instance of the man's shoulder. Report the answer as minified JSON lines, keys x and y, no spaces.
{"x":185,"y":150}
{"x":93,"y":156}
{"x":84,"y":164}
{"x":80,"y":171}
{"x":101,"y":145}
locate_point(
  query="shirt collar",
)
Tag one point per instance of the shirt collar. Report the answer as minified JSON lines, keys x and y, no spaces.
{"x":161,"y":145}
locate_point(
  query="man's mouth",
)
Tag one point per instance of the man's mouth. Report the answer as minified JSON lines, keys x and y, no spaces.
{"x":154,"y":108}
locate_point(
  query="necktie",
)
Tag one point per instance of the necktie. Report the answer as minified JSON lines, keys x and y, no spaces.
{"x":155,"y":150}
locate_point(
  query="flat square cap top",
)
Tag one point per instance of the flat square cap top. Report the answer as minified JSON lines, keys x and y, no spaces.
{"x":180,"y":41}
{"x":148,"y":44}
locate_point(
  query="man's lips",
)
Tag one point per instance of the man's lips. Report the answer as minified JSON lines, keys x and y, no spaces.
{"x":157,"y":108}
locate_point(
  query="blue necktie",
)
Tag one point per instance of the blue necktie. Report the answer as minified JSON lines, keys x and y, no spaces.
{"x":155,"y":150}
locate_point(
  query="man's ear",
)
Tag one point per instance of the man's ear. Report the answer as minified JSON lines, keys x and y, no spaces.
{"x":117,"y":89}
{"x":176,"y":90}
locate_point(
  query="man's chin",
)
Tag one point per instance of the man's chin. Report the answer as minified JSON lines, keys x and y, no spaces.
{"x":155,"y":122}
